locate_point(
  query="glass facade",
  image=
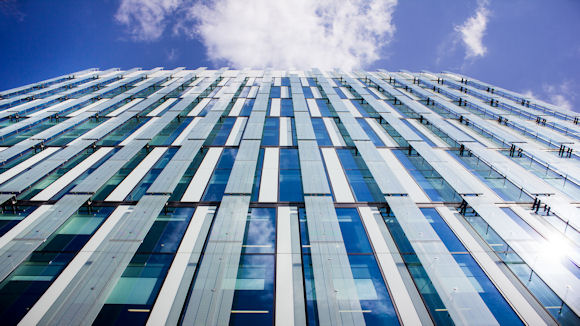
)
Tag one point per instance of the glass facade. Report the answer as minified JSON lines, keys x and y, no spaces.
{"x":215,"y":197}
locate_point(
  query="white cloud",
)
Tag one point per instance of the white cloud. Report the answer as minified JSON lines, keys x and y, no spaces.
{"x":561,"y":95}
{"x":529,"y":93}
{"x":473,"y":30}
{"x":561,"y":101}
{"x":172,"y":54}
{"x":146,"y":19}
{"x":264,"y":33}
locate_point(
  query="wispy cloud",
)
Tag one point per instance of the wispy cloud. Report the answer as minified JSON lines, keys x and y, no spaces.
{"x":11,"y":8}
{"x":561,"y":101}
{"x":146,"y":19}
{"x":172,"y":54}
{"x":473,"y":30}
{"x":529,"y":93}
{"x":562,"y":95}
{"x":264,"y":33}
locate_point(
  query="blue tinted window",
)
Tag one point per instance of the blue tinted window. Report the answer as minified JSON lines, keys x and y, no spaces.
{"x":224,"y":132}
{"x":372,"y":291}
{"x":11,"y":217}
{"x":214,"y":91}
{"x":227,"y":158}
{"x":361,"y":181}
{"x":311,"y":310}
{"x":28,"y":282}
{"x":254,"y":291}
{"x":443,"y":231}
{"x":373,"y":94}
{"x":121,"y":133}
{"x":426,"y":288}
{"x":307,"y":92}
{"x":260,"y":235}
{"x":321,"y":133}
{"x":275,"y":91}
{"x":244,"y":91}
{"x":286,"y":108}
{"x":76,"y":231}
{"x":323,"y":108}
{"x":430,"y":296}
{"x":290,"y":178}
{"x":271,"y":133}
{"x":353,"y":232}
{"x":340,"y":93}
{"x":258,"y":176}
{"x":171,"y":132}
{"x":360,"y":108}
{"x":426,"y":184}
{"x":360,"y":187}
{"x":217,"y":185}
{"x":488,"y":292}
{"x":493,"y":299}
{"x":294,"y":136}
{"x":219,"y":179}
{"x":304,"y":239}
{"x":290,"y":185}
{"x":13,"y":138}
{"x":208,"y":107}
{"x":151,"y":175}
{"x":370,"y":132}
{"x":133,"y":296}
{"x":247,"y":108}
{"x":289,"y":158}
{"x":23,"y":287}
{"x":169,"y":226}
{"x":346,"y":159}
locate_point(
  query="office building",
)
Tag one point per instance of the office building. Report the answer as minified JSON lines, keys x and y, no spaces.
{"x":264,"y":197}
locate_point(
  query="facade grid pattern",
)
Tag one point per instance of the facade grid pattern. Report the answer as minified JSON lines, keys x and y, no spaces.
{"x":216,"y":197}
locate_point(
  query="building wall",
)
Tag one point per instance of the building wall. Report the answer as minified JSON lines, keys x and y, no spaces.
{"x":286,"y":197}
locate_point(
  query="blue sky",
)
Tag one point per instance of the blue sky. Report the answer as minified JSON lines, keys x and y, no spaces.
{"x":527,"y":46}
